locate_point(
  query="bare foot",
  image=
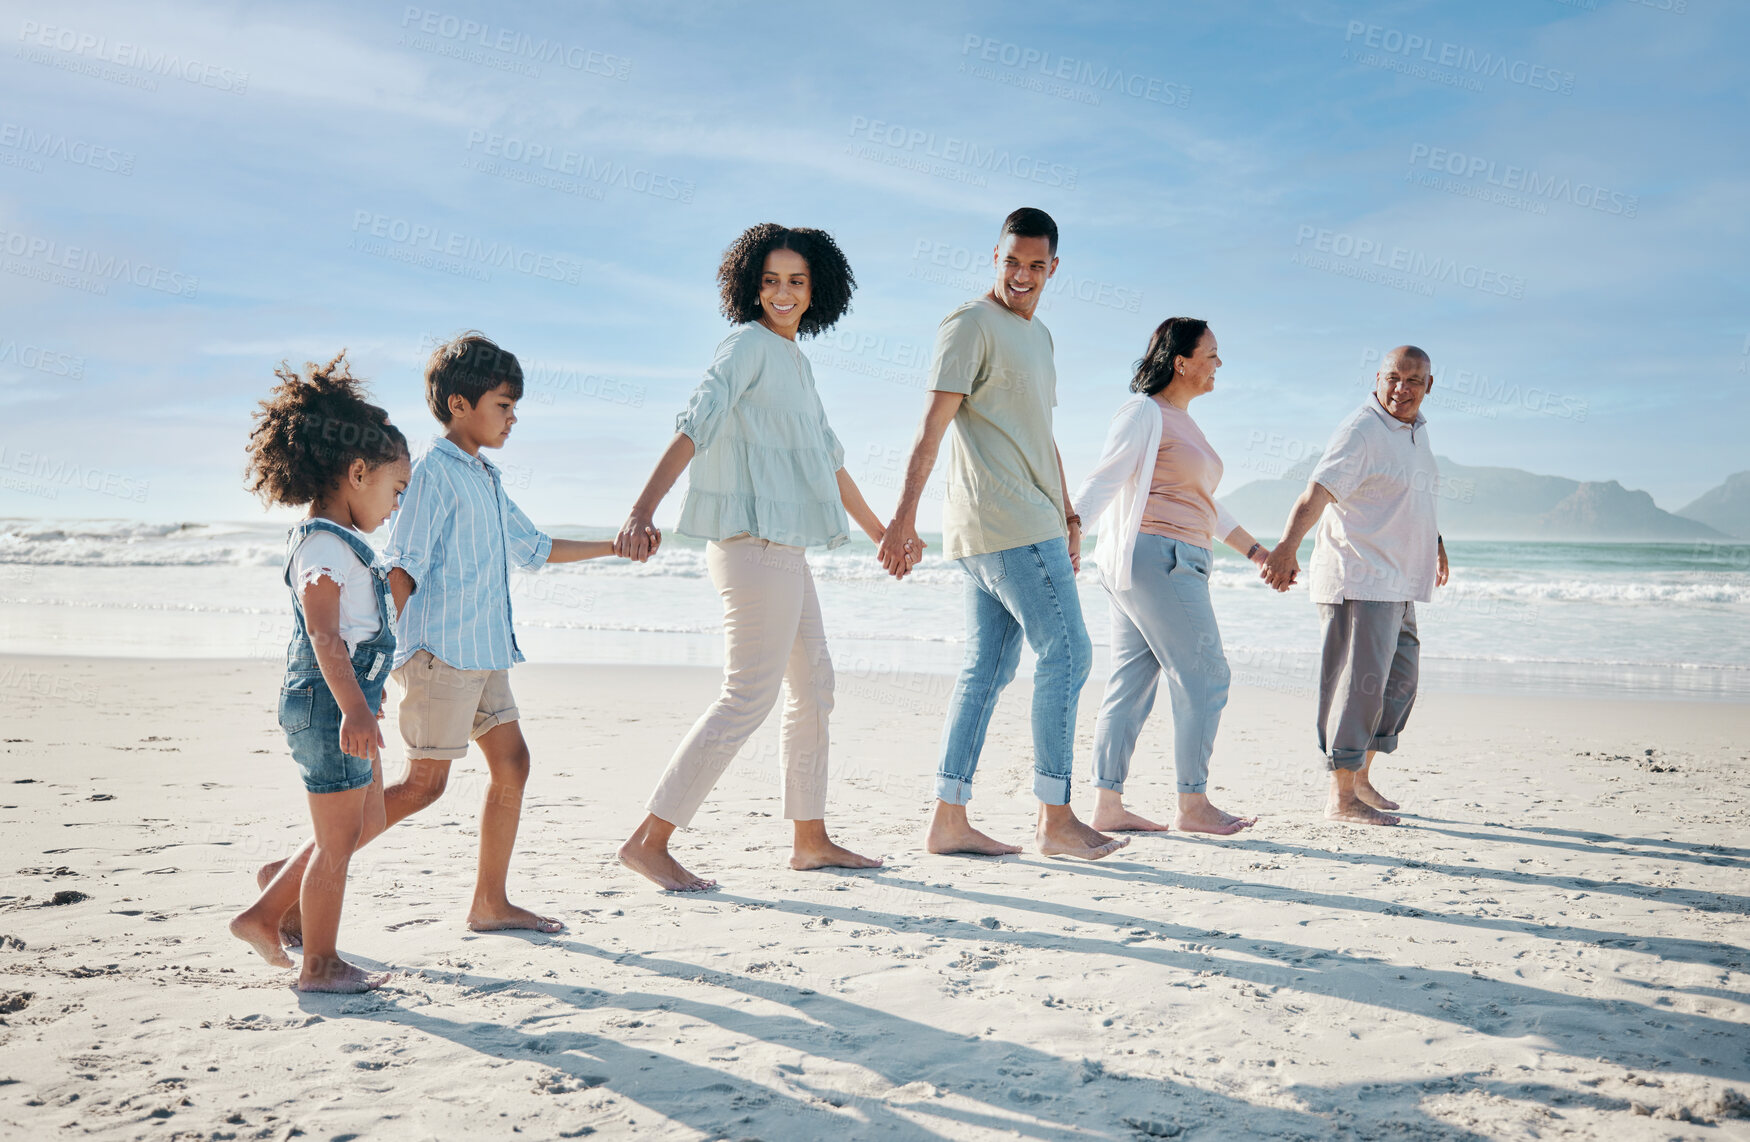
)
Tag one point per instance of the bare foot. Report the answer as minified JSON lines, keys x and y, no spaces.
{"x":1356,"y":811}
{"x":1366,"y":792}
{"x":825,"y":854}
{"x":655,"y":864}
{"x":509,"y":916}
{"x":261,"y":936}
{"x":335,"y":974}
{"x":1071,"y":838}
{"x":946,"y":837}
{"x":1122,"y":820}
{"x":1206,"y":818}
{"x":291,"y":934}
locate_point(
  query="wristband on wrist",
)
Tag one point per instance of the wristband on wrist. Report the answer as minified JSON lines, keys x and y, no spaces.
{"x":1252,"y":551}
{"x":1072,"y":520}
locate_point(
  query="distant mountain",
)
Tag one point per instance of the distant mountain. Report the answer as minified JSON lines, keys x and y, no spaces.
{"x":1727,"y":507}
{"x":1506,"y":503}
{"x":1610,"y":511}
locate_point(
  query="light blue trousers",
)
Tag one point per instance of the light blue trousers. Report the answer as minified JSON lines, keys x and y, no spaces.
{"x":1024,"y":593}
{"x":1163,"y":625}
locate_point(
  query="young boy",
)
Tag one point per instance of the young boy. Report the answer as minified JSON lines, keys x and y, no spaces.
{"x":450,"y":549}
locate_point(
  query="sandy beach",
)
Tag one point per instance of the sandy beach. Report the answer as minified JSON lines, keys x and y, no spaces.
{"x":1552,"y":946}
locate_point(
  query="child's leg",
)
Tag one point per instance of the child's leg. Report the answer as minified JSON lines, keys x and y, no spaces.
{"x":280,"y":880}
{"x":507,"y":760}
{"x":273,"y":922}
{"x":422,"y":784}
{"x":339,"y":823}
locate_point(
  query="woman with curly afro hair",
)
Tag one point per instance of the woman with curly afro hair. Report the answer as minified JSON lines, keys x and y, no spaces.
{"x":768,"y":480}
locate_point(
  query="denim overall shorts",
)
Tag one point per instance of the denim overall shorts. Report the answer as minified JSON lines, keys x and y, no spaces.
{"x":308,"y":713}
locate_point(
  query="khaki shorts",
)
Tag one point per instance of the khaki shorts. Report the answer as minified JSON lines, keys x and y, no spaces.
{"x":443,"y":709}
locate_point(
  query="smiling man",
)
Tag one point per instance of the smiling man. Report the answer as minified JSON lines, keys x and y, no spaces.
{"x":1377,"y":554}
{"x":993,"y":382}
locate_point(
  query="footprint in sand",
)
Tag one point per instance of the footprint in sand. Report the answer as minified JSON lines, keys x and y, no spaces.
{"x":396,"y":927}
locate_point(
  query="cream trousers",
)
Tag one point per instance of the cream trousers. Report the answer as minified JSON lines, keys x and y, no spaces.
{"x":772,"y":634}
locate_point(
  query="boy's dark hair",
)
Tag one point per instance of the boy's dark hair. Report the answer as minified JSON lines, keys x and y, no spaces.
{"x":1030,"y":222}
{"x":469,"y":365}
{"x":311,"y":428}
{"x":1174,"y":338}
{"x":830,"y":281}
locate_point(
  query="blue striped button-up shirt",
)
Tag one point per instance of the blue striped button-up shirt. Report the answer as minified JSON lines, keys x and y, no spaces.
{"x":457,"y":534}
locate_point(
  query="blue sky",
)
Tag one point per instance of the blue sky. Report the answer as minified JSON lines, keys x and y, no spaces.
{"x":1549,"y":197}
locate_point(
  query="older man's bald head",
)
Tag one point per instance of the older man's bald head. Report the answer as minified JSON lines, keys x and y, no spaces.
{"x":1406,"y":355}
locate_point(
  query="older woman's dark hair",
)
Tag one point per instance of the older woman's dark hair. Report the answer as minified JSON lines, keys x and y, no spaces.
{"x":830,"y":280}
{"x":1174,"y":338}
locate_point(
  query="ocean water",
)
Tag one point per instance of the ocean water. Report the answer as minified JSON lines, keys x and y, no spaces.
{"x":1667,"y":620}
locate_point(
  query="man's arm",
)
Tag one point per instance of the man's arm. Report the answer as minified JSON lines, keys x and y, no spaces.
{"x":1444,"y":572}
{"x":902,"y":533}
{"x":1072,"y":521}
{"x":1284,"y":564}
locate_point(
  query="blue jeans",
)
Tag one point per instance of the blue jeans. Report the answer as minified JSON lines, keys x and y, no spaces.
{"x":1163,"y":625}
{"x":1024,"y":592}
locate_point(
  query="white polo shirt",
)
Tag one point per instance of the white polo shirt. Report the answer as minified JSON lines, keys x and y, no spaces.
{"x":1378,"y":541}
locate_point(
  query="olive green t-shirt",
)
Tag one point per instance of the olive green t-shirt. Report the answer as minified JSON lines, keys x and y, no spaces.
{"x":1004,"y":486}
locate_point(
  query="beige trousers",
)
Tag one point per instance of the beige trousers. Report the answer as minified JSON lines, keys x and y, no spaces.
{"x":772,"y":635}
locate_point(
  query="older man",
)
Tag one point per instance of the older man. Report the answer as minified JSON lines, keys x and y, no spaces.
{"x":1377,"y":554}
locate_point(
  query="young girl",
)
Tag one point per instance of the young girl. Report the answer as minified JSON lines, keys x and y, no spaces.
{"x":317,"y":441}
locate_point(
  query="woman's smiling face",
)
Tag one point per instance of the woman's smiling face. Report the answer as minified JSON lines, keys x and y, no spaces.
{"x":784,"y":291}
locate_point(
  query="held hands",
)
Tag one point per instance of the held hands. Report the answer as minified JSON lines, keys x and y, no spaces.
{"x":900,"y":548}
{"x":1280,"y":567}
{"x":1075,"y":546}
{"x":360,"y":735}
{"x":1444,"y":572}
{"x":638,"y":539}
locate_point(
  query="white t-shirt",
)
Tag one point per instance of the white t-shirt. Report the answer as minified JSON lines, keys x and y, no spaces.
{"x":1378,"y":541}
{"x":324,"y":554}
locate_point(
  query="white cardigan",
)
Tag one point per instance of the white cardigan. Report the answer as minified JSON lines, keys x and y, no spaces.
{"x":1116,"y":491}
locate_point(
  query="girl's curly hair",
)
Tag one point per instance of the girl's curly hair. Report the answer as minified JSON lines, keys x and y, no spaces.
{"x":830,"y":277}
{"x":311,"y":428}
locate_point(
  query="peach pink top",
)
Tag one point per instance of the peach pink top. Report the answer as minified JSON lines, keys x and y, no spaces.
{"x":1181,"y":494}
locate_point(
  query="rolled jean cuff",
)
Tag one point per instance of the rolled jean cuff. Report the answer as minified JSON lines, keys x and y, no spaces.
{"x":953,"y":790}
{"x":1188,"y":787}
{"x":1108,"y":783}
{"x":1051,"y":788}
{"x":1384,"y":743}
{"x":1345,"y":758}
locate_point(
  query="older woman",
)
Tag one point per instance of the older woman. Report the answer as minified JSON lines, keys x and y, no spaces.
{"x":768,"y":482}
{"x":1153,"y":492}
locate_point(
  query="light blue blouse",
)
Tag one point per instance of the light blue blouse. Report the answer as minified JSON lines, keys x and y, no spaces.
{"x":767,"y":460}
